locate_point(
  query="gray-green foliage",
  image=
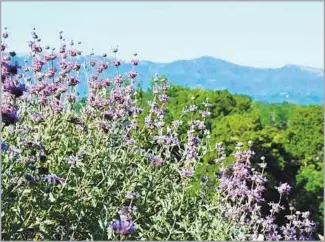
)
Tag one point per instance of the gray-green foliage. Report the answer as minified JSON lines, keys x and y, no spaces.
{"x":96,"y":188}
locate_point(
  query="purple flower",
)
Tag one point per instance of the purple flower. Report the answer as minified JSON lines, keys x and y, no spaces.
{"x":73,"y":81}
{"x":15,"y":89}
{"x":53,"y":179}
{"x":9,"y":115}
{"x":134,"y":62}
{"x":50,"y":89}
{"x":72,"y":98}
{"x":122,"y":226}
{"x":302,"y":237}
{"x":191,"y":108}
{"x":273,"y":236}
{"x":197,"y":124}
{"x":164,"y":86}
{"x":177,"y":123}
{"x":73,"y":160}
{"x":31,"y":179}
{"x":275,"y":207}
{"x":36,"y":117}
{"x":163,"y":98}
{"x":109,"y":114}
{"x":284,"y":188}
{"x":219,"y":148}
{"x":4,"y":146}
{"x":56,"y":105}
{"x":191,"y":153}
{"x":205,"y":114}
{"x":305,"y":214}
{"x":133,"y":74}
{"x":187,"y":172}
{"x":117,"y":63}
{"x":3,"y":78}
{"x":11,"y":69}
{"x":157,"y":161}
{"x":243,"y":156}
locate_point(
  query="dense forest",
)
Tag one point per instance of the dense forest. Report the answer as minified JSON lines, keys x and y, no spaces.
{"x":290,"y":137}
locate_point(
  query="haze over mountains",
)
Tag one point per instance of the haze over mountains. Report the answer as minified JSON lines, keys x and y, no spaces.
{"x":298,"y":84}
{"x":293,"y":83}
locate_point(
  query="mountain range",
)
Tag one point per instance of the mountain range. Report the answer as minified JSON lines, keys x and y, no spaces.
{"x":292,"y":83}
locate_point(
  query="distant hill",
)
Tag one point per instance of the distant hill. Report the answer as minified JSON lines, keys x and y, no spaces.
{"x":298,"y":84}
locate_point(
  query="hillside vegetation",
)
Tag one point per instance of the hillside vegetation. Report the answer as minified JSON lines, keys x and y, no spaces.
{"x":169,"y":163}
{"x":289,"y":136}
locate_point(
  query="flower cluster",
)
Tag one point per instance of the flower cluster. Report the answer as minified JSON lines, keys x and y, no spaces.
{"x":242,"y":190}
{"x":125,"y":224}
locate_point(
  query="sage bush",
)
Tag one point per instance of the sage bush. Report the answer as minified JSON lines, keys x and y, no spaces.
{"x":112,"y":169}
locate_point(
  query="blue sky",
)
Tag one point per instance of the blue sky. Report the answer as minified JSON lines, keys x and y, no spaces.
{"x":260,"y":34}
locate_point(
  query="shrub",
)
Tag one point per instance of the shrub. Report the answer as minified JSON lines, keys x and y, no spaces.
{"x":112,"y":170}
